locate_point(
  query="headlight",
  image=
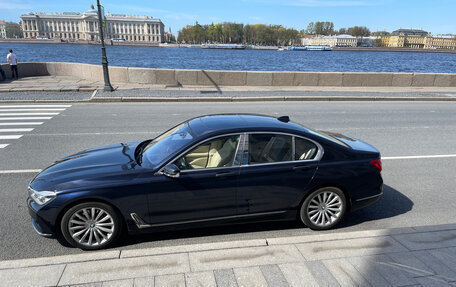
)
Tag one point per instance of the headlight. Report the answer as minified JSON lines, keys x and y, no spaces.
{"x":41,"y":197}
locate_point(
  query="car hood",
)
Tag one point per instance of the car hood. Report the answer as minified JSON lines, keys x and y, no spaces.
{"x":97,"y":166}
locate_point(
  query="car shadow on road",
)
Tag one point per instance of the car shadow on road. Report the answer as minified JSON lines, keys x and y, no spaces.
{"x":393,"y":203}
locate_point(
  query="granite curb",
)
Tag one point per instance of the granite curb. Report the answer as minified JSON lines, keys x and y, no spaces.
{"x":418,"y":256}
{"x":236,"y":99}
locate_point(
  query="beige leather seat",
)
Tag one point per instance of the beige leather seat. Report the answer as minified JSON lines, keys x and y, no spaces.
{"x":223,"y":156}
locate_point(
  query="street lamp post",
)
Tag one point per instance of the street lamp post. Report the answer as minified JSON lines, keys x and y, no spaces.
{"x":104,"y":59}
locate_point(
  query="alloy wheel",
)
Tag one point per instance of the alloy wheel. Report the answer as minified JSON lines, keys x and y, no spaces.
{"x":325,"y":208}
{"x":91,"y":226}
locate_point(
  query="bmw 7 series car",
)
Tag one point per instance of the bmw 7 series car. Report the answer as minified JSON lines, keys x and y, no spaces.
{"x":215,"y":169}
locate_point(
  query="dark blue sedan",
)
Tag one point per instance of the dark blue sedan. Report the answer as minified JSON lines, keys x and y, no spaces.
{"x":208,"y":170}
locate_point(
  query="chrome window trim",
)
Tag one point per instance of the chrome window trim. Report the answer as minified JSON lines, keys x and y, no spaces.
{"x":160,"y":171}
{"x":317,"y":157}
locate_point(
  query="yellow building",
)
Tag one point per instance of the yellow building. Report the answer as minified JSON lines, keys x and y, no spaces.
{"x":418,"y":42}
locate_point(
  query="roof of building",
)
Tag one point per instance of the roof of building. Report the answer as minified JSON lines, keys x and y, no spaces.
{"x":3,"y":22}
{"x":409,"y":32}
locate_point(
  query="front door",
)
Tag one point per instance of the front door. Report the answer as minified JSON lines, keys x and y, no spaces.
{"x":204,"y":191}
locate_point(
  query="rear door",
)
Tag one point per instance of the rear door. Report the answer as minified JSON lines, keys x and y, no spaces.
{"x":275,"y":171}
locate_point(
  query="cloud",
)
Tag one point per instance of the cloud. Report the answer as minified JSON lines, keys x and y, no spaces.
{"x":14,"y":5}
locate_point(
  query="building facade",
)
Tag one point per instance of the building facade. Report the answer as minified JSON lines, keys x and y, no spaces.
{"x":77,"y":26}
{"x":2,"y":30}
{"x":419,"y":42}
{"x":332,"y":41}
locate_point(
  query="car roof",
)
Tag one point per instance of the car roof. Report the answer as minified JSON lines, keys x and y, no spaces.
{"x":223,"y":123}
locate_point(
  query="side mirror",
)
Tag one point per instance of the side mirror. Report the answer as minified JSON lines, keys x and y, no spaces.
{"x":171,"y":170}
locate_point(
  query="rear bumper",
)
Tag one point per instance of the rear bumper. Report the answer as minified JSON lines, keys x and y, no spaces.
{"x":366,"y":201}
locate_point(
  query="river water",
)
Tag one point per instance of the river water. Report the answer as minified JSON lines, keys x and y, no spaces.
{"x":250,"y":60}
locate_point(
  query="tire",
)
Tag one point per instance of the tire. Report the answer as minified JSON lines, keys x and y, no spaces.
{"x":323,"y":209}
{"x":91,"y":225}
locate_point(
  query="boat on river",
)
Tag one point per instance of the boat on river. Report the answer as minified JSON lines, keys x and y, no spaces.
{"x":224,"y":46}
{"x":311,"y":48}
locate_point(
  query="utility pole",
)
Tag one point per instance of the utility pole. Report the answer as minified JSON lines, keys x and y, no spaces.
{"x":104,"y":59}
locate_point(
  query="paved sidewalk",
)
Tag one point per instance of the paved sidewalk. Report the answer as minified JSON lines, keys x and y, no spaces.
{"x":418,"y":256}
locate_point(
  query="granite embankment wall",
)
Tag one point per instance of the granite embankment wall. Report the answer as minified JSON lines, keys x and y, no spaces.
{"x":235,"y":78}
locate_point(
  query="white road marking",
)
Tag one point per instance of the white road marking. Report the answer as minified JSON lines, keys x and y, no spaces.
{"x":28,"y":114}
{"x":32,"y":110}
{"x":36,"y":106}
{"x":20,"y":171}
{"x":10,"y":137}
{"x":25,"y":118}
{"x":22,"y":124}
{"x":420,"y":156}
{"x":3,"y":145}
{"x":16,"y":130}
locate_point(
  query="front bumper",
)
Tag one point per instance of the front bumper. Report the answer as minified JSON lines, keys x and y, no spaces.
{"x":39,"y":224}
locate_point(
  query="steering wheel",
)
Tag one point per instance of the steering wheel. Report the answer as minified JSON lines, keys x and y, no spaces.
{"x":182,"y":163}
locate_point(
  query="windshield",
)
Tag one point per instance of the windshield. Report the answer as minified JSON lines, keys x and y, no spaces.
{"x":168,"y":143}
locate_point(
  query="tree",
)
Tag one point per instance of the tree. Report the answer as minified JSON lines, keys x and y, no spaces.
{"x":359,"y":31}
{"x":342,"y":31}
{"x":13,"y":30}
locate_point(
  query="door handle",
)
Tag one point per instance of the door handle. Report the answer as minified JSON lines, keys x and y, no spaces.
{"x":223,"y":174}
{"x":302,"y":167}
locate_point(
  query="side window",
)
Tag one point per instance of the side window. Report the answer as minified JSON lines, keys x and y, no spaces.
{"x":219,"y":152}
{"x":305,"y":149}
{"x":267,"y":148}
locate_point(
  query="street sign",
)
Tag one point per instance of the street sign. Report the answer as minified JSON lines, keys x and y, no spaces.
{"x":103,"y":18}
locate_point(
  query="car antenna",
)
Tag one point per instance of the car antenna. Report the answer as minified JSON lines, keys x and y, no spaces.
{"x":284,"y":119}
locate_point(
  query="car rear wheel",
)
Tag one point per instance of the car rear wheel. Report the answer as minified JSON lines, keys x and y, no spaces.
{"x":323,"y":208}
{"x":91,"y":225}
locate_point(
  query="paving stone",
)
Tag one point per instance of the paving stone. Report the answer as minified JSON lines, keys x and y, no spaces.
{"x":144,"y":282}
{"x":243,"y":257}
{"x":446,"y":256}
{"x":349,"y":248}
{"x":119,"y":283}
{"x":91,"y":256}
{"x":32,"y":276}
{"x":175,"y":280}
{"x":432,"y":281}
{"x":192,"y":248}
{"x":250,"y":277}
{"x":410,"y":265}
{"x":96,"y":284}
{"x":200,"y":279}
{"x":77,"y":273}
{"x":368,"y":271}
{"x":428,"y":240}
{"x":386,"y":267}
{"x":298,"y":274}
{"x":321,"y":273}
{"x":274,"y":275}
{"x":345,"y":273}
{"x":225,"y":278}
{"x":436,"y":264}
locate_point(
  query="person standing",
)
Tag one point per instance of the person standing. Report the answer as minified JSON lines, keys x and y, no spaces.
{"x":12,"y":60}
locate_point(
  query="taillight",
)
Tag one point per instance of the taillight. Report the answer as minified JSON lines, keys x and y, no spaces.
{"x":377,"y":163}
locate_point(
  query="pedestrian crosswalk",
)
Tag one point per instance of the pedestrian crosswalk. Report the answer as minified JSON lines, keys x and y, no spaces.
{"x":15,"y":120}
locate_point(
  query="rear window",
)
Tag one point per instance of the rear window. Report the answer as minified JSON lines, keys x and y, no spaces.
{"x":328,"y":137}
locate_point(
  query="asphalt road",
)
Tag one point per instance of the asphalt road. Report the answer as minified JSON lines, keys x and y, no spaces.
{"x":418,"y":191}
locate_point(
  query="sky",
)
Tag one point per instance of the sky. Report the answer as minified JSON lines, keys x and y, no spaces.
{"x":435,"y":16}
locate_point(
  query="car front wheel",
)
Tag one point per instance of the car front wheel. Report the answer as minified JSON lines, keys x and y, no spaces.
{"x":323,"y":208}
{"x":91,"y":225}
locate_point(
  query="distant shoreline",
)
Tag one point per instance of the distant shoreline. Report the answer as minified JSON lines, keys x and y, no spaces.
{"x":142,"y":44}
